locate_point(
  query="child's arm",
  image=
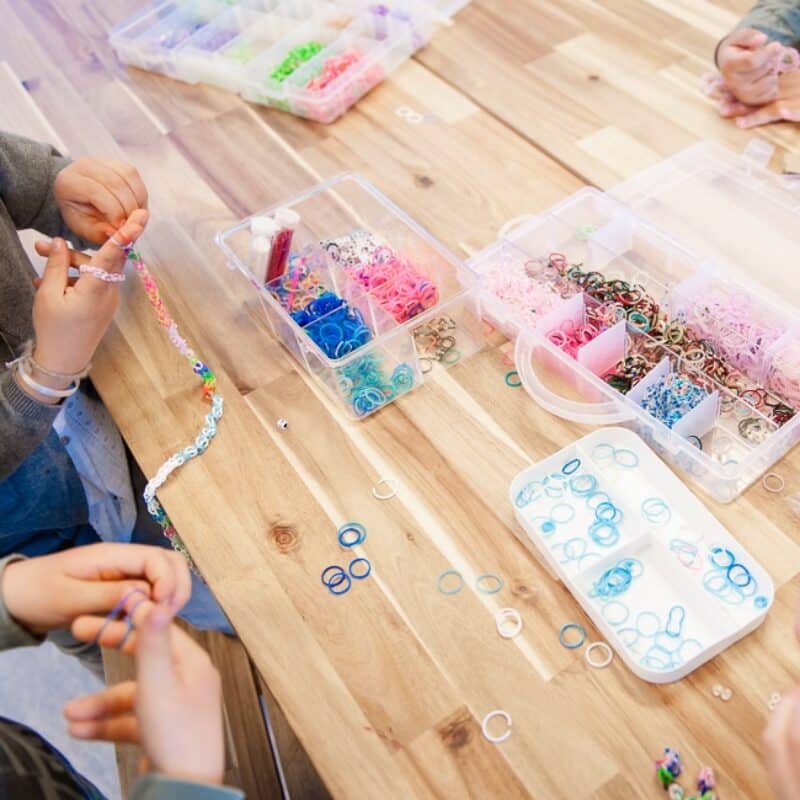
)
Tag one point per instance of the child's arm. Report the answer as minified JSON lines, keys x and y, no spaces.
{"x":748,"y":57}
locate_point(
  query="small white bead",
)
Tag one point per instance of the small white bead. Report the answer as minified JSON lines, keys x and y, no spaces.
{"x":282,"y":424}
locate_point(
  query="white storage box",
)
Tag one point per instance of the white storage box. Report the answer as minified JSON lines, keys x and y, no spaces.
{"x":310,"y":57}
{"x":692,"y":240}
{"x":345,"y":227}
{"x":660,"y":577}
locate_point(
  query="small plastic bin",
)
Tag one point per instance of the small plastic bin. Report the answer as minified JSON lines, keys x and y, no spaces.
{"x":672,"y":290}
{"x":314,"y":59}
{"x":362,"y":350}
{"x":666,"y":584}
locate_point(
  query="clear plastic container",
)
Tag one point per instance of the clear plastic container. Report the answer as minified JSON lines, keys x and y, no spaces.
{"x":691,"y":590}
{"x":751,"y":422}
{"x":340,"y":221}
{"x":240,"y":47}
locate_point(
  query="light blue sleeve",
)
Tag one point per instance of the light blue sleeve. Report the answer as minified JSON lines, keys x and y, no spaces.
{"x":779,"y":19}
{"x":161,"y":787}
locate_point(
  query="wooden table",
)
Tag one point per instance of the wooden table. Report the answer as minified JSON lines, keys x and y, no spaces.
{"x":386,"y":686}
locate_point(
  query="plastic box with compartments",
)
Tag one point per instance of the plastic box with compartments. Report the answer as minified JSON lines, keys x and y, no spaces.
{"x":681,"y":244}
{"x":313,"y":58}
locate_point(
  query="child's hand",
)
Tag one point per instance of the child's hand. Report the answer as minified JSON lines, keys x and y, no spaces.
{"x":70,"y":319}
{"x":782,"y":748}
{"x":97,"y":195}
{"x":749,"y":66}
{"x":50,"y":592}
{"x":786,"y":107}
{"x":173,"y":710}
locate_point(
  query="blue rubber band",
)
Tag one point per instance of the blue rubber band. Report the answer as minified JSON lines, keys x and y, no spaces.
{"x":578,"y":484}
{"x":574,"y":627}
{"x":547,"y":527}
{"x":603,"y":452}
{"x":445,"y":574}
{"x":648,"y":615}
{"x":337,"y":571}
{"x":346,"y":584}
{"x":630,"y":564}
{"x":747,"y":575}
{"x":596,"y":499}
{"x":715,"y":551}
{"x":571,"y":466}
{"x":761,"y":601}
{"x":608,"y":540}
{"x":630,"y":461}
{"x":492,"y":577}
{"x":574,"y":556}
{"x":613,"y":604}
{"x":359,"y":561}
{"x":675,"y":618}
{"x":351,"y":527}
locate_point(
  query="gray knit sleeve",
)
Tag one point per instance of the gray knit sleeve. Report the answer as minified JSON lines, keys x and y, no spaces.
{"x":779,"y":19}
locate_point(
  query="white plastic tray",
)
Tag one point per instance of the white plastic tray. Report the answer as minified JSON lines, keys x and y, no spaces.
{"x":674,"y":551}
{"x":237,"y":45}
{"x":673,"y":262}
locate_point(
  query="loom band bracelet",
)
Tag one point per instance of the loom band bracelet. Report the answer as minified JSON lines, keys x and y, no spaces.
{"x":583,"y":485}
{"x":351,"y":528}
{"x":488,"y":576}
{"x":355,"y":565}
{"x":626,"y":458}
{"x":618,"y":616}
{"x":566,"y":513}
{"x":715,"y":554}
{"x":572,"y":466}
{"x":648,"y":615}
{"x":440,"y":581}
{"x":512,"y":379}
{"x":571,"y":626}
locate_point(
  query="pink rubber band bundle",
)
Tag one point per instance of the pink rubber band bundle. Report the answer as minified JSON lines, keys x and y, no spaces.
{"x":209,"y":429}
{"x":783,"y":374}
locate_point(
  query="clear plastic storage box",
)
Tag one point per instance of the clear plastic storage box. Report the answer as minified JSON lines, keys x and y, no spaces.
{"x":310,"y":57}
{"x":369,"y":302}
{"x":660,"y":577}
{"x":665,"y":275}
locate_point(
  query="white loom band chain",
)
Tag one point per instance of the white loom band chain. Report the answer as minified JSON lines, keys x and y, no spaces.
{"x":504,"y":616}
{"x":102,"y":274}
{"x":605,"y":661}
{"x":485,"y":726}
{"x":391,"y":483}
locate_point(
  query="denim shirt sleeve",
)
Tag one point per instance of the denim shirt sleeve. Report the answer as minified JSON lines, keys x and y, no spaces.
{"x":161,"y":787}
{"x":12,"y":634}
{"x":779,"y":19}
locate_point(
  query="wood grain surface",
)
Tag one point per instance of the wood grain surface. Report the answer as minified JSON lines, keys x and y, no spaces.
{"x":386,"y":687}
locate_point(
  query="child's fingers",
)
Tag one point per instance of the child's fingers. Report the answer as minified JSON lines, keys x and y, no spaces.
{"x":780,"y":746}
{"x":88,"y":629}
{"x":110,"y":702}
{"x":122,"y":728}
{"x":747,"y":37}
{"x":733,"y":108}
{"x":111,"y":256}
{"x":76,"y":257}
{"x":763,"y":116}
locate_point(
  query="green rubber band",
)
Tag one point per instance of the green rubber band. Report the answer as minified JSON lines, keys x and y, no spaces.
{"x":489,"y":576}
{"x":509,"y":379}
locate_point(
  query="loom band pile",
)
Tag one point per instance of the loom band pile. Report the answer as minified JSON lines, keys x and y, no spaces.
{"x":604,"y":534}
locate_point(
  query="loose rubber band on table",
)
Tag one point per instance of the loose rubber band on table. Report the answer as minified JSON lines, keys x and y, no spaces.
{"x":489,"y":576}
{"x":609,"y":655}
{"x":345,"y":582}
{"x":359,"y":561}
{"x":391,"y":483}
{"x":440,"y":581}
{"x":209,"y":429}
{"x":336,"y":570}
{"x":508,"y":614}
{"x":572,"y":626}
{"x":485,"y":726}
{"x":510,"y":381}
{"x":778,"y":483}
{"x":351,"y":527}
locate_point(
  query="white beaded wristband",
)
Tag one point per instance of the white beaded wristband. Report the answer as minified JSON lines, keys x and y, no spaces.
{"x":45,"y":391}
{"x":102,"y":274}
